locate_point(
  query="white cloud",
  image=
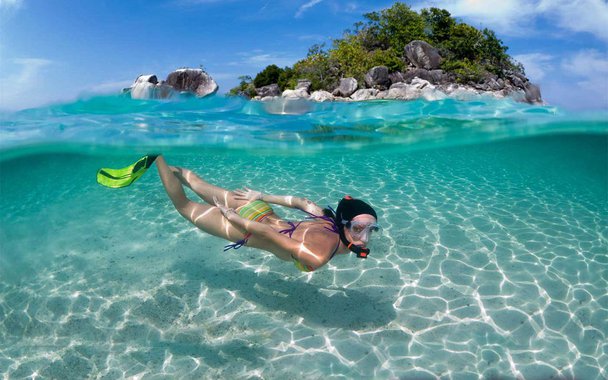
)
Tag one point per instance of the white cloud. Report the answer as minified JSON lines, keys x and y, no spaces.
{"x":225,"y":76}
{"x":312,"y":37}
{"x":30,"y":70}
{"x":10,"y":3}
{"x":260,"y":58}
{"x":587,"y":63}
{"x":264,"y":59}
{"x":536,"y":65}
{"x":307,"y":6}
{"x":351,"y":7}
{"x":22,"y":80}
{"x":505,"y":16}
{"x":257,"y":59}
{"x":514,"y":17}
{"x":579,"y":81}
{"x":590,"y":68}
{"x":579,"y":15}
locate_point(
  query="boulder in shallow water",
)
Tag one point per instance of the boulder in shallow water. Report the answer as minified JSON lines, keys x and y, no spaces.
{"x":269,"y":90}
{"x":321,"y":96}
{"x":195,"y":81}
{"x":398,"y":91}
{"x":532,"y":93}
{"x":143,"y":87}
{"x":304,"y":84}
{"x":296,"y":94}
{"x":458,"y":92}
{"x":418,"y":88}
{"x":492,"y":84}
{"x":425,"y":90}
{"x":423,"y":55}
{"x":433,"y":76}
{"x":377,"y":77}
{"x":346,"y":88}
{"x":147,"y":87}
{"x":396,"y":77}
{"x":382,"y":95}
{"x":365,"y":94}
{"x":420,"y":84}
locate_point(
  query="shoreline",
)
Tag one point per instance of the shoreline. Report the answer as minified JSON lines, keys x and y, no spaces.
{"x":418,"y":89}
{"x":200,"y":84}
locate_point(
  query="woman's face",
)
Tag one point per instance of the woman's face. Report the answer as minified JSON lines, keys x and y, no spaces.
{"x":359,"y":230}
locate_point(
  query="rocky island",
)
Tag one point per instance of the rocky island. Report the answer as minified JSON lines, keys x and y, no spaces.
{"x":398,"y":54}
{"x":423,"y":79}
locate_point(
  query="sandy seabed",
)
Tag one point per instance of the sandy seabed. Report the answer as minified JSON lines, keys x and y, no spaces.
{"x":492,"y":263}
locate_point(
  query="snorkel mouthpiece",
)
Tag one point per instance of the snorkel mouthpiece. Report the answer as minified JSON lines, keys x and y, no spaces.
{"x":361,"y":251}
{"x":348,"y":208}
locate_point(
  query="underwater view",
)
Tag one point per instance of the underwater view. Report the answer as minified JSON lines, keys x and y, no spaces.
{"x":492,"y":260}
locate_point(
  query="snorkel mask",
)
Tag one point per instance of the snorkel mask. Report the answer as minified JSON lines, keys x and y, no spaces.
{"x":360,"y":230}
{"x":349,"y":208}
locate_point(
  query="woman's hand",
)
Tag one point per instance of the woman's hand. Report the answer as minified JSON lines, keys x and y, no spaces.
{"x":247,"y":194}
{"x":224,"y":209}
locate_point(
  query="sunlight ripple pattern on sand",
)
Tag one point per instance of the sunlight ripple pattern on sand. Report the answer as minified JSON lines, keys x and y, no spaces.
{"x":492,"y":263}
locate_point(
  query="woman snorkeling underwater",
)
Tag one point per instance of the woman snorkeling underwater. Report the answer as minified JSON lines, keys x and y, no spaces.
{"x":245,"y":217}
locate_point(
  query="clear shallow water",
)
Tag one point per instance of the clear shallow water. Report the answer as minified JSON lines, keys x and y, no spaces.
{"x":493,"y":261}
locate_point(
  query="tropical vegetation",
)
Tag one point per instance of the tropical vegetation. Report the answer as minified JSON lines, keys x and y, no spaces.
{"x":468,"y":53}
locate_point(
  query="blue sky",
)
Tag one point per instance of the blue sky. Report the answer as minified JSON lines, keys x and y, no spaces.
{"x":53,"y":51}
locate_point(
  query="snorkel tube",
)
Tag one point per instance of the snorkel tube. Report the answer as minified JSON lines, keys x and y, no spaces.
{"x":361,"y":251}
{"x":347,"y":209}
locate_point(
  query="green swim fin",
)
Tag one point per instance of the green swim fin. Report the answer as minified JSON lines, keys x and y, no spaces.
{"x":116,"y":178}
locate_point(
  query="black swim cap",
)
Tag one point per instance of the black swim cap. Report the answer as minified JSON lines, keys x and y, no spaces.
{"x":350,"y":207}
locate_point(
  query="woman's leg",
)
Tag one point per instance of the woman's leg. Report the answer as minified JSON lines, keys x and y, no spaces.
{"x":172,"y":185}
{"x":206,"y":217}
{"x":204,"y":189}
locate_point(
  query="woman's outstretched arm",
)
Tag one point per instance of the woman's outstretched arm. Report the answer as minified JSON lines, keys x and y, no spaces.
{"x":303,"y":204}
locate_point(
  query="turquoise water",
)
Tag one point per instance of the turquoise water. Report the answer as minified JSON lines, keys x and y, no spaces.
{"x":492,"y":263}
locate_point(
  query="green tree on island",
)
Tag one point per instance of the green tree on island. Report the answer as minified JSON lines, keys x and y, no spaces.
{"x":468,"y":53}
